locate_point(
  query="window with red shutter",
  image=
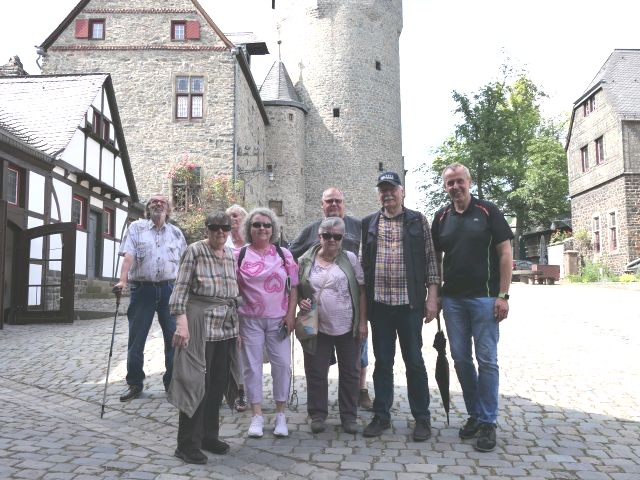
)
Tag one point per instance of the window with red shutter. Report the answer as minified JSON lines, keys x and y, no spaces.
{"x":82,"y":28}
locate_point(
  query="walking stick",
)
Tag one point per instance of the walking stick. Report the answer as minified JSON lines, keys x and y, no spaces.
{"x":292,"y":386}
{"x":118,"y":292}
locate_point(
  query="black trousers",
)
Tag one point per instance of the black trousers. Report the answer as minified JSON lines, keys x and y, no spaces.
{"x":205,"y":423}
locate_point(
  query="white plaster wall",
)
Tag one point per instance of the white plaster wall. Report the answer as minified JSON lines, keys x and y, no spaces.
{"x":556,"y":254}
{"x":74,"y":153}
{"x":81,"y":253}
{"x":96,"y":202}
{"x":93,"y":158}
{"x":108,"y":257}
{"x":121,"y":181}
{"x":36,"y":193}
{"x":64,"y":193}
{"x":107,"y":167}
{"x":121,"y":218}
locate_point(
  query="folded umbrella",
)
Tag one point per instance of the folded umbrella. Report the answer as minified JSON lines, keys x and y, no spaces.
{"x":442,"y":368}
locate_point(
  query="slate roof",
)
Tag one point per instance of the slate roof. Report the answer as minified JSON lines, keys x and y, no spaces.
{"x":278,"y":89}
{"x":45,"y":111}
{"x":619,"y":78}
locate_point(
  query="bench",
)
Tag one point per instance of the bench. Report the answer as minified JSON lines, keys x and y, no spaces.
{"x":539,"y":274}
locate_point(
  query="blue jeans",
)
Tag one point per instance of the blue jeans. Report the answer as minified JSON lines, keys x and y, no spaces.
{"x":388,"y":323}
{"x":470,"y":319}
{"x":145,"y":301}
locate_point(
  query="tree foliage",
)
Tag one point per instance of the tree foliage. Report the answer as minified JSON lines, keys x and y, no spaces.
{"x":515,"y":156}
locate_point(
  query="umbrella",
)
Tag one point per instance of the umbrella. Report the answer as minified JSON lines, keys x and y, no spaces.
{"x":544,"y":255}
{"x":442,"y":368}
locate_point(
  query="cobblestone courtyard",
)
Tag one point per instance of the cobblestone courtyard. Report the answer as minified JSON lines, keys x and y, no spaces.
{"x":570,"y":406}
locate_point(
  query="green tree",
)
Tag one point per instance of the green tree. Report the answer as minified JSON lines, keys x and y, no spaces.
{"x":515,"y":157}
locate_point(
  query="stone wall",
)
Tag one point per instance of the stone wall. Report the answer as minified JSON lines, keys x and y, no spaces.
{"x":345,"y":55}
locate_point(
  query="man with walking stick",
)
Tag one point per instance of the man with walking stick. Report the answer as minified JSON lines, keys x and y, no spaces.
{"x":152,"y":251}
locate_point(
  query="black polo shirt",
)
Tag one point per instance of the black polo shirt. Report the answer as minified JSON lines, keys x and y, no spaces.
{"x":468,"y":240}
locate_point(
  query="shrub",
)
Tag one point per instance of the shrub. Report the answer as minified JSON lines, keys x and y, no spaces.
{"x":627,"y":277}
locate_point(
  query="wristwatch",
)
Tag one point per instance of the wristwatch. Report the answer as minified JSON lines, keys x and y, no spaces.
{"x":503,"y":295}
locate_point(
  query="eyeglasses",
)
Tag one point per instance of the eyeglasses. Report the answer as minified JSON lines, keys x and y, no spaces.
{"x":215,"y":227}
{"x":157,"y":200}
{"x":337,"y":201}
{"x":261,"y":225}
{"x":328,"y":236}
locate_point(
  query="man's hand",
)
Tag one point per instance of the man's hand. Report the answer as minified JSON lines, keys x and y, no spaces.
{"x":181,"y":336}
{"x":363,"y":330}
{"x":501,"y":309}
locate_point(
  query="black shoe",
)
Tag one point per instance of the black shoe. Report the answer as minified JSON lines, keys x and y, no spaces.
{"x":215,"y":445}
{"x":196,"y":456}
{"x":350,"y":427}
{"x":486,"y":441}
{"x":376,"y":427}
{"x":470,"y":429}
{"x":132,"y":391}
{"x":318,"y":426}
{"x":422,"y":430}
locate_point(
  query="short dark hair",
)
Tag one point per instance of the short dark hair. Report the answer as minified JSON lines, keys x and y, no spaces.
{"x":217,"y":218}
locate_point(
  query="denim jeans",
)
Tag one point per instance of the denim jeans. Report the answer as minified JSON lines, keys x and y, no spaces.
{"x":470,"y":319}
{"x":388,"y":323}
{"x":145,"y":301}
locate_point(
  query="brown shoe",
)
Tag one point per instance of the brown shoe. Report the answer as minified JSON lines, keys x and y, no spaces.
{"x":364,"y":401}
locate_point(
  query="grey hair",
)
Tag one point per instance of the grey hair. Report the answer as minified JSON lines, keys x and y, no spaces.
{"x":236,"y":207}
{"x":456,"y":166}
{"x":248,"y":220}
{"x":331,"y":222}
{"x":147,"y":210}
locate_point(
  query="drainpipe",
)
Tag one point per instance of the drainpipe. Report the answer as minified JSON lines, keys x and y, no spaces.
{"x":234,"y":53}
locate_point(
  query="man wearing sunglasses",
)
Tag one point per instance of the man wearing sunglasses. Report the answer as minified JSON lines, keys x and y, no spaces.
{"x":152,"y":249}
{"x":399,"y":264}
{"x":333,"y":205}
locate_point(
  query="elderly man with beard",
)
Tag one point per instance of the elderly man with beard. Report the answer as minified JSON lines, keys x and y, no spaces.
{"x":333,"y":205}
{"x":400,"y":267}
{"x":152,"y":250}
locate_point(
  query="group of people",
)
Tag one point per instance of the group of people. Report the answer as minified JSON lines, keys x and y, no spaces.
{"x":228,"y":303}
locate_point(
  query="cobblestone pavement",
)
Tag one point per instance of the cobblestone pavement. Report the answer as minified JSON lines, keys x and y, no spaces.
{"x":570,"y":406}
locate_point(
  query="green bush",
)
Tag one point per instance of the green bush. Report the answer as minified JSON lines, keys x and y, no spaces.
{"x":591,"y":273}
{"x":627,"y":277}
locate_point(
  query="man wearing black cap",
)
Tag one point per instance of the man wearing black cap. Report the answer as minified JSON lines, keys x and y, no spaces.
{"x":400,"y":269}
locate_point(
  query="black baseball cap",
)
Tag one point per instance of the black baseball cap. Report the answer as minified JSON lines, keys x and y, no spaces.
{"x":389,"y":177}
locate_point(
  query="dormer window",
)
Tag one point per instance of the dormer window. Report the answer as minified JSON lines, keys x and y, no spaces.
{"x":96,"y":29}
{"x":589,"y":105}
{"x":92,"y":29}
{"x":178,"y":30}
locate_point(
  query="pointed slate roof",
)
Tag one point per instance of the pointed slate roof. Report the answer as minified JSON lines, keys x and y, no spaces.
{"x":619,"y":77}
{"x":45,"y":111}
{"x":278,"y":89}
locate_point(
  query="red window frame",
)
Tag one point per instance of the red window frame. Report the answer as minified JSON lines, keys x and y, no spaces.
{"x":584,"y":158}
{"x":96,"y":126}
{"x":82,"y":224}
{"x":599,"y":150}
{"x":109,"y":220}
{"x":106,"y":129}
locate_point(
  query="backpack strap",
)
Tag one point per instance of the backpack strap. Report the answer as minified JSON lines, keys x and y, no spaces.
{"x":281,"y":253}
{"x":243,"y":252}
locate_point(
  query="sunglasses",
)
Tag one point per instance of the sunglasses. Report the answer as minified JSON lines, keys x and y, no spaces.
{"x":261,"y":225}
{"x":328,"y":236}
{"x":337,"y":201}
{"x":214,"y":227}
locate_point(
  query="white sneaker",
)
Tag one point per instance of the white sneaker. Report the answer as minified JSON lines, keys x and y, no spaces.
{"x":255,"y":429}
{"x":281,"y":429}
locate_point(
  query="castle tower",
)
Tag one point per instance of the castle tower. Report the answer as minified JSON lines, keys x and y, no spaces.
{"x":285,"y":137}
{"x":343,"y":56}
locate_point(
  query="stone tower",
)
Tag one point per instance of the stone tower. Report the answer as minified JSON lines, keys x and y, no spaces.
{"x":343,"y":57}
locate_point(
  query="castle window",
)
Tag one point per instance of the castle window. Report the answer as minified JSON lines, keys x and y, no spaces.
{"x":78,"y":211}
{"x":96,"y":125}
{"x":589,"y":105}
{"x":599,"y":151}
{"x":613,"y":232}
{"x":584,"y":158}
{"x":336,"y":112}
{"x":380,"y":167}
{"x":378,"y":65}
{"x":291,"y":117}
{"x":96,"y":29}
{"x":189,"y":97}
{"x":596,"y":234}
{"x":276,"y":206}
{"x":178,"y":30}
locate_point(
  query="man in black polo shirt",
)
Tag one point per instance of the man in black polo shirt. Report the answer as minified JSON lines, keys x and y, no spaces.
{"x":476,"y":241}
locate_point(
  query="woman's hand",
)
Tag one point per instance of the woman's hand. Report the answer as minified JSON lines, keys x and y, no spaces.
{"x":305,"y":304}
{"x":363,"y":329}
{"x":181,"y":336}
{"x":290,"y":321}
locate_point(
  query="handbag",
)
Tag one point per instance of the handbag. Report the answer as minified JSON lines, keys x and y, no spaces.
{"x":307,"y":323}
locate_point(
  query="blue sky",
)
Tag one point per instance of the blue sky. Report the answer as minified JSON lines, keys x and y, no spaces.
{"x":445,"y":45}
